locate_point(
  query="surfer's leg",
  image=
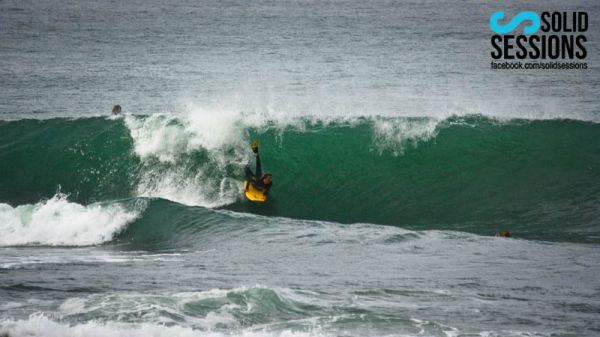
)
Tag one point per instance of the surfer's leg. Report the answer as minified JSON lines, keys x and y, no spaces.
{"x":258,"y":167}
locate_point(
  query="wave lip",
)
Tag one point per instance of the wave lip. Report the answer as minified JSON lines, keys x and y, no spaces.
{"x":58,"y":222}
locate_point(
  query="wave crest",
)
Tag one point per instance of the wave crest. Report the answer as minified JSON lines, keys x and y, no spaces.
{"x":59,"y":222}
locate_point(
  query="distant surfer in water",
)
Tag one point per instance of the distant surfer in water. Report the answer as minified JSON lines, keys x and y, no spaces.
{"x":504,"y":233}
{"x":259,"y":180}
{"x":116,"y":109}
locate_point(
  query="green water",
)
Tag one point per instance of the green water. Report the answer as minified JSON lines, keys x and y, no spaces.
{"x":536,"y":178}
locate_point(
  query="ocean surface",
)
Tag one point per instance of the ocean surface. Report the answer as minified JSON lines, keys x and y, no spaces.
{"x":397,"y":154}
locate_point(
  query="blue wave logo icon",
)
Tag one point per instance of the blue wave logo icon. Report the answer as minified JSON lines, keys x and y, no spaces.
{"x":515,"y":22}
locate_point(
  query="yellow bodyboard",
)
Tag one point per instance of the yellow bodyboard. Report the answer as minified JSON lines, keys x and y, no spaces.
{"x":253,"y":193}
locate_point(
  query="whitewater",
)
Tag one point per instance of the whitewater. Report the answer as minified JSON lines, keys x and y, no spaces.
{"x":397,"y":156}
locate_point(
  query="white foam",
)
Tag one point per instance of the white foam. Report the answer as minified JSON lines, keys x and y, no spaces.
{"x":17,"y":260}
{"x":164,"y":142}
{"x":190,"y":188}
{"x":41,"y":325}
{"x":396,"y":134}
{"x":168,"y":136}
{"x":151,"y":308}
{"x":158,"y":135}
{"x":73,"y":305}
{"x":214,"y":128}
{"x":59,"y":222}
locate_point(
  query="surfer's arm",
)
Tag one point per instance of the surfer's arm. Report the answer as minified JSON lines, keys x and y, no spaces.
{"x":248,"y":173}
{"x":258,"y":167}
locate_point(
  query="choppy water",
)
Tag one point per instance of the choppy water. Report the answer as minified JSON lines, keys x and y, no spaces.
{"x":396,"y":153}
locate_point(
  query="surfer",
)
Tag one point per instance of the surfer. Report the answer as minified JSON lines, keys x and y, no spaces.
{"x":116,"y":109}
{"x":504,"y":233}
{"x":258,"y":180}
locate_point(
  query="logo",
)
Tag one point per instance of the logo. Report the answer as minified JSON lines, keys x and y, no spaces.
{"x":539,"y":38}
{"x":515,"y":22}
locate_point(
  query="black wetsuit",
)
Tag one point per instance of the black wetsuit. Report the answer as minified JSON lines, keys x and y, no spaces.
{"x":255,"y":178}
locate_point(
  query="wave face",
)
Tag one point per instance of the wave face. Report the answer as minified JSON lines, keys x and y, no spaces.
{"x":539,"y":178}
